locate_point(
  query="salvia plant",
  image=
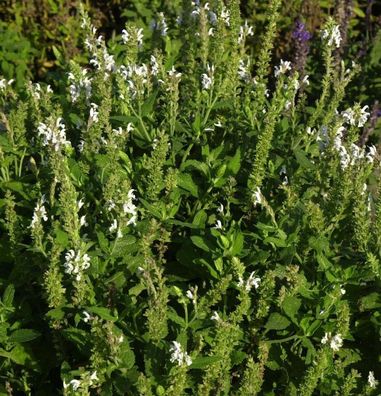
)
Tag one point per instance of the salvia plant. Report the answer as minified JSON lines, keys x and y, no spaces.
{"x":183,"y":217}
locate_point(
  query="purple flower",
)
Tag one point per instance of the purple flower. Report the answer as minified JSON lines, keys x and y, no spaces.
{"x":301,"y":38}
{"x":300,"y":32}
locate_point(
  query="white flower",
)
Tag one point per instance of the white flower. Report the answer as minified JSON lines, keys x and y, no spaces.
{"x":53,"y":135}
{"x":82,"y":221}
{"x":94,"y":113}
{"x":39,"y":213}
{"x":257,"y":197}
{"x":93,"y":377}
{"x":178,"y":356}
{"x":114,"y":226}
{"x":139,"y":36}
{"x":206,"y":81}
{"x":356,"y":116}
{"x":349,"y":116}
{"x":251,"y":281}
{"x":218,"y":225}
{"x":283,"y":67}
{"x":371,"y":380}
{"x":363,"y":117}
{"x":220,"y":209}
{"x":75,"y":384}
{"x":207,"y":78}
{"x":371,"y":154}
{"x":110,"y":205}
{"x":245,"y":31}
{"x":154,"y":66}
{"x":108,"y":61}
{"x":4,"y":83}
{"x":174,"y":73}
{"x":86,"y":316}
{"x":332,"y":36}
{"x":335,"y":342}
{"x":215,"y":316}
{"x":76,"y":263}
{"x":130,"y":127}
{"x":118,"y":132}
{"x":160,"y":25}
{"x":225,"y":16}
{"x":125,"y":36}
{"x":306,"y":80}
{"x":80,"y":203}
{"x":326,"y":337}
{"x":130,"y":208}
{"x":243,"y":71}
{"x":190,"y":295}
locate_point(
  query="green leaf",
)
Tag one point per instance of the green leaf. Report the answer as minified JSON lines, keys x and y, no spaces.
{"x":302,"y":159}
{"x":56,"y":313}
{"x":359,"y":12}
{"x":118,"y":279}
{"x":185,"y":181}
{"x":200,"y":242}
{"x":18,"y":354}
{"x":123,"y":246}
{"x":78,"y":337}
{"x":275,"y":242}
{"x":62,"y":238}
{"x":23,"y":335}
{"x":237,"y":244}
{"x":324,"y":263}
{"x":127,"y":356}
{"x":291,"y":305}
{"x":102,"y":312}
{"x":369,"y":302}
{"x":238,"y":357}
{"x":277,"y":322}
{"x":375,"y":54}
{"x":200,"y":218}
{"x":235,"y":163}
{"x":148,"y":104}
{"x":8,"y":295}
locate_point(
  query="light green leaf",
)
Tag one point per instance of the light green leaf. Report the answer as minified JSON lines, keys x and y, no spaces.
{"x":277,"y":322}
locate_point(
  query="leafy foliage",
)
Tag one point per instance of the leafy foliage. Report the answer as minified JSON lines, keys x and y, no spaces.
{"x":180,"y":217}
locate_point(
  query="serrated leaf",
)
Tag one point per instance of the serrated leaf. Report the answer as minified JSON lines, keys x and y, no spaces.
{"x":23,"y":335}
{"x":123,"y":246}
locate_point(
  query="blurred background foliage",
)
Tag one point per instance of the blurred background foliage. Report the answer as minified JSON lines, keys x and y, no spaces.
{"x":37,"y":37}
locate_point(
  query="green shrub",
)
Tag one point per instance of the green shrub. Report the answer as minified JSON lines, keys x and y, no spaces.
{"x":178,"y":217}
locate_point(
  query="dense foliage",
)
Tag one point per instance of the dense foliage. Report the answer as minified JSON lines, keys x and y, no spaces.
{"x":179,"y":216}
